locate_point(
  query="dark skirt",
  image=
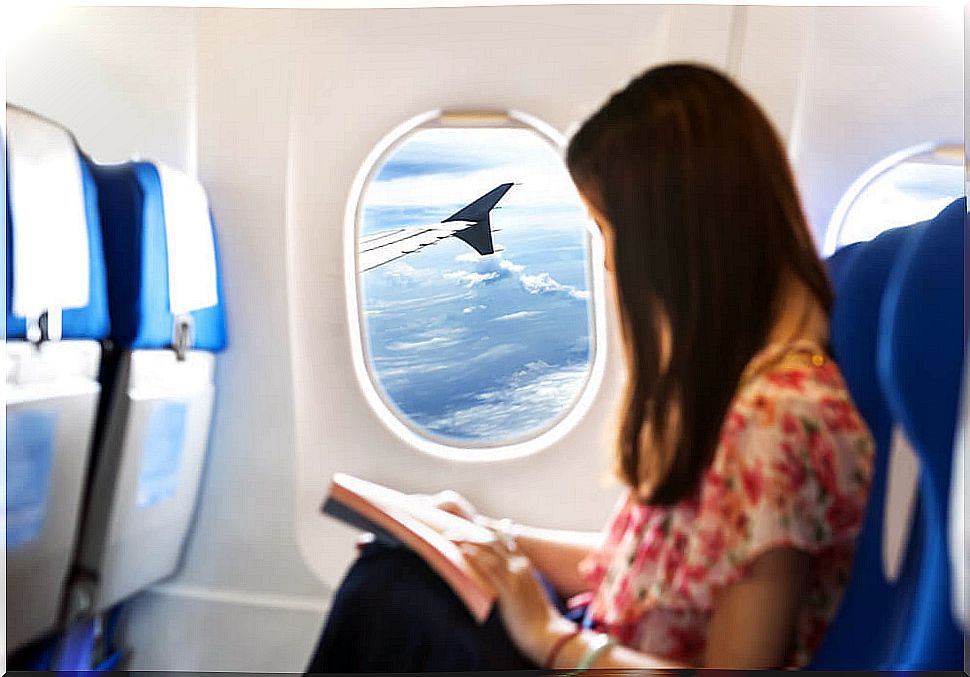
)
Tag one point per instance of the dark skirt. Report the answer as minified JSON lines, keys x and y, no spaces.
{"x":392,"y":613}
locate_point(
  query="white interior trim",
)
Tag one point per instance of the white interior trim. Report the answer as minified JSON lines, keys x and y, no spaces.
{"x":902,"y":480}
{"x":201,"y":593}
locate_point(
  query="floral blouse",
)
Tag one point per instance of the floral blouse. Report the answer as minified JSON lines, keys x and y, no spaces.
{"x":792,"y":469}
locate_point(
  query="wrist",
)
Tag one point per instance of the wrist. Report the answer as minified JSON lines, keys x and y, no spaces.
{"x":553,"y":638}
{"x":583,"y":651}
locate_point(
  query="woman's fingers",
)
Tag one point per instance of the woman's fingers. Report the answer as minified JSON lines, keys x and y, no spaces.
{"x":484,"y":554}
{"x":501,"y":566}
{"x":454,"y":509}
{"x":453,"y":502}
{"x":488,"y":563}
{"x":487,"y":573}
{"x":449,"y":501}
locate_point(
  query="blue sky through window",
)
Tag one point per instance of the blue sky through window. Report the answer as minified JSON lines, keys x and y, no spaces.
{"x":479,"y":349}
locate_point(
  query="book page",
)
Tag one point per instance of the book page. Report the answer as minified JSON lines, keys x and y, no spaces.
{"x":439,"y":520}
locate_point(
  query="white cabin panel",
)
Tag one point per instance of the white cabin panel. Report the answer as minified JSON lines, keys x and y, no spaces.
{"x":121,"y":79}
{"x":772,"y":59}
{"x":699,"y":33}
{"x":877,"y":81}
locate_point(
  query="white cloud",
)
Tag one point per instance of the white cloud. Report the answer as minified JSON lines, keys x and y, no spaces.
{"x":544,"y":283}
{"x":495,"y":267}
{"x":440,"y":337}
{"x":495,"y":352}
{"x":401,"y":270}
{"x":392,"y":374}
{"x":529,"y":400}
{"x":519,"y":315}
{"x":417,"y":345}
{"x":469,"y":278}
{"x":415,"y":302}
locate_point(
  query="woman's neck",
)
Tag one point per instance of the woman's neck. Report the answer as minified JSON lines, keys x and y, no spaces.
{"x":801,"y":316}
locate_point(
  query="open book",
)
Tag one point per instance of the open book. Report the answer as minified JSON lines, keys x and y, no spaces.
{"x":395,"y":516}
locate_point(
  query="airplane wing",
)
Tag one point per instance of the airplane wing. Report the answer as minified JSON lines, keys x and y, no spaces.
{"x":470,"y":224}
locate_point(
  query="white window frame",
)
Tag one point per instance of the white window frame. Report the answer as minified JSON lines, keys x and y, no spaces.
{"x":385,"y":410}
{"x":859,"y":186}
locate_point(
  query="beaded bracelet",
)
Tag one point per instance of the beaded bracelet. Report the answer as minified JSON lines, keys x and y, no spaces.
{"x":601,"y":644}
{"x":557,"y":647}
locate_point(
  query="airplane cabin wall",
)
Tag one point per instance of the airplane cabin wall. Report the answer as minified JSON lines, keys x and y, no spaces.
{"x":122,"y":81}
{"x":277,"y":109}
{"x":875,"y":82}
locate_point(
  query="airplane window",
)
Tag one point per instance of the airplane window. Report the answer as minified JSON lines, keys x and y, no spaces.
{"x":906,"y":188}
{"x":473,"y":273}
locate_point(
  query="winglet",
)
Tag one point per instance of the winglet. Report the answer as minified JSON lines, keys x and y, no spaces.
{"x":479,"y":209}
{"x":479,"y":235}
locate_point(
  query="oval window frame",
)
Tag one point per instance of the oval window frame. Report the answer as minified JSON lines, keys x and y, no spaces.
{"x":837,"y":223}
{"x":385,"y":410}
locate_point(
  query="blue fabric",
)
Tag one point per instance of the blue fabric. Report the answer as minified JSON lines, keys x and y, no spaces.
{"x":133,"y":220}
{"x":859,"y":274}
{"x":76,"y":647}
{"x":923,"y":330}
{"x":91,"y":321}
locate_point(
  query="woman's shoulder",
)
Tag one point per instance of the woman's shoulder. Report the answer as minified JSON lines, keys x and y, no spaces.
{"x":794,"y":443}
{"x":802,"y":387}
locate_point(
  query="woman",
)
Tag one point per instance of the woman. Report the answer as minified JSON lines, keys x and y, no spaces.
{"x":745,"y":463}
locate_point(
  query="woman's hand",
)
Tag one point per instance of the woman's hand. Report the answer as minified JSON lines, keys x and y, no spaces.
{"x":530,"y":618}
{"x":450,"y":501}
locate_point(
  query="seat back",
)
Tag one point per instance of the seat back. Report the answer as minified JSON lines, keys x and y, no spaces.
{"x":923,"y":337}
{"x":959,"y":543}
{"x":167,"y":323}
{"x":859,"y":275}
{"x":57,"y":298}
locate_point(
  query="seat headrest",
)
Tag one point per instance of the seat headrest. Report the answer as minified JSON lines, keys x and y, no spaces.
{"x":161,"y":257}
{"x":55,"y":262}
{"x":924,"y":335}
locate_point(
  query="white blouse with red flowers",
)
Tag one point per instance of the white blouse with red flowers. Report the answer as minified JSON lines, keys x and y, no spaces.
{"x":791,"y":469}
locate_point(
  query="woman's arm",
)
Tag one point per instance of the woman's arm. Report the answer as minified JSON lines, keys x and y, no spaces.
{"x":753,"y":623}
{"x":556,"y":553}
{"x":752,"y":626}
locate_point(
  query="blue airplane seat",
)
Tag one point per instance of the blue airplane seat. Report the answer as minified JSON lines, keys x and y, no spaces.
{"x":167,"y":323}
{"x":133,"y":216}
{"x":920,"y":357}
{"x":959,"y":543}
{"x":56,"y":317}
{"x":859,"y":273}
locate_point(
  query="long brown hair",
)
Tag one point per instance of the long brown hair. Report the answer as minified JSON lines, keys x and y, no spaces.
{"x":706,"y":224}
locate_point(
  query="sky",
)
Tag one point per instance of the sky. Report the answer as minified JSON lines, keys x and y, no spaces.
{"x":471,"y":349}
{"x":908,"y":193}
